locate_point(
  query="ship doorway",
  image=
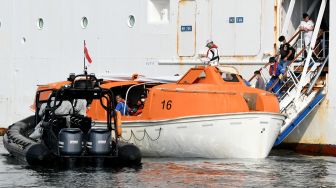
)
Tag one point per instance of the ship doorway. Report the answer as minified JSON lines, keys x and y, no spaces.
{"x":186,"y":25}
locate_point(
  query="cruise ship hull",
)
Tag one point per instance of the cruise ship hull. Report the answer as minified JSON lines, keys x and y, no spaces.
{"x":315,"y":134}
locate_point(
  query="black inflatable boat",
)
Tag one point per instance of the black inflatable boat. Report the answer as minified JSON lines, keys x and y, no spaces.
{"x":72,"y":135}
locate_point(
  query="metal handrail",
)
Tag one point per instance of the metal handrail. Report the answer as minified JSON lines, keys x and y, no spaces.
{"x":275,"y":55}
{"x":278,"y":79}
{"x":294,"y":36}
{"x":301,"y":51}
{"x":289,"y":41}
{"x":316,"y":76}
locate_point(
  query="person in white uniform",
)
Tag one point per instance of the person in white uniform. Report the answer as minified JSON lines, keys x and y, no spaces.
{"x":212,"y":56}
{"x":307,"y":25}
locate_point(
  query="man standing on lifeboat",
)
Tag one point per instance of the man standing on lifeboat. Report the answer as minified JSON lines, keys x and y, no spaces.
{"x":212,"y":56}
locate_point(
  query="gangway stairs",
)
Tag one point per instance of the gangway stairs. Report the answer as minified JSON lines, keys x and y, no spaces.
{"x":296,"y":102}
{"x":292,"y":123}
{"x":304,"y":87}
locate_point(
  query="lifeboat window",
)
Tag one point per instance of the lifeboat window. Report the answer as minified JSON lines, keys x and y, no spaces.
{"x":228,"y":77}
{"x":202,"y":75}
{"x":134,"y":96}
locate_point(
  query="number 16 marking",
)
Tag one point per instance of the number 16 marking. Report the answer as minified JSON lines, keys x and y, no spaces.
{"x":167,"y":105}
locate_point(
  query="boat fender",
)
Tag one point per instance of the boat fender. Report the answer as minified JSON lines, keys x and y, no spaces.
{"x":129,"y":154}
{"x":118,"y":123}
{"x":38,"y":154}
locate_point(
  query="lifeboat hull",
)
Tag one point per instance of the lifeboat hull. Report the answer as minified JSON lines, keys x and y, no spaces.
{"x":243,"y":135}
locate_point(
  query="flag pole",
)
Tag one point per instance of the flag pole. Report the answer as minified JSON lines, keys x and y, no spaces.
{"x":85,"y":68}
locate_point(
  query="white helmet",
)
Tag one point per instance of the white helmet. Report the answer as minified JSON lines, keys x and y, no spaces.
{"x":208,"y":41}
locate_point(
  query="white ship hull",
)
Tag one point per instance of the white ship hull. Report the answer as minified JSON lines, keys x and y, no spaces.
{"x":245,"y":135}
{"x":316,"y":132}
{"x":31,"y":53}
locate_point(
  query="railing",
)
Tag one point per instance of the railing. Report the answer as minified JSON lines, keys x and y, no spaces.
{"x":322,"y":51}
{"x":276,"y":55}
{"x":295,"y":58}
{"x":312,"y":84}
{"x":286,"y":69}
{"x":295,"y":35}
{"x":324,"y":44}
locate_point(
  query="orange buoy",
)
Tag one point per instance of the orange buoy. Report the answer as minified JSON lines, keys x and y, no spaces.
{"x":118,"y":123}
{"x":3,"y":131}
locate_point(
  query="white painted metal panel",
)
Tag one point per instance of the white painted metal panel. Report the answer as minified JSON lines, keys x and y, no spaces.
{"x":236,"y":26}
{"x":6,"y":76}
{"x":223,"y":33}
{"x":186,"y":28}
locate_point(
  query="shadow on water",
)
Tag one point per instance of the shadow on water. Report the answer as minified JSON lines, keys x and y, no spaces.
{"x":281,"y":169}
{"x":71,"y":173}
{"x":85,"y":176}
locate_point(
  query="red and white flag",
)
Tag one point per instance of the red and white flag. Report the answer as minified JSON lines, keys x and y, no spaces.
{"x":86,"y":53}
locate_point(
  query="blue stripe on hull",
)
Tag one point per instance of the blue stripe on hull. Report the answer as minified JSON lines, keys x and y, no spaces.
{"x":318,"y":98}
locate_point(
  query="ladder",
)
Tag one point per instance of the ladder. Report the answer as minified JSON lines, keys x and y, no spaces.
{"x":303,"y":89}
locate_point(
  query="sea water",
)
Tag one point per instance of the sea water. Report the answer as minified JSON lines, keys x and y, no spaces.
{"x":281,"y":169}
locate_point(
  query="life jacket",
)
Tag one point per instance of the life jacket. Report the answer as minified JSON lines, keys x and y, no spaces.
{"x":214,"y":50}
{"x":273,"y":69}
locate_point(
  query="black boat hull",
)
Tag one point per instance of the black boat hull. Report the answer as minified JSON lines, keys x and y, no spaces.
{"x":17,"y":142}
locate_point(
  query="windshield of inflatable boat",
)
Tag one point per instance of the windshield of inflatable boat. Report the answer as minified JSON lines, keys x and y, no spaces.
{"x":41,"y":96}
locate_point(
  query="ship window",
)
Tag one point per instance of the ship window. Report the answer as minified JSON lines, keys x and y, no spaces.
{"x":84,"y":22}
{"x":131,"y":21}
{"x":158,"y":11}
{"x":23,"y":40}
{"x":40,"y":23}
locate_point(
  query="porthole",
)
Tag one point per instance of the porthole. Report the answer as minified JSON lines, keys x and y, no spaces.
{"x":40,"y":23}
{"x":84,"y":22}
{"x":23,"y":40}
{"x":131,"y":21}
{"x":0,"y":24}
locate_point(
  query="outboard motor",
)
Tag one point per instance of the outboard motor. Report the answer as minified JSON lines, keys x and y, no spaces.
{"x":70,"y":141}
{"x":99,"y":142}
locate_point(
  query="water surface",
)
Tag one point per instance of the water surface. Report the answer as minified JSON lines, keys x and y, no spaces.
{"x":281,"y":169}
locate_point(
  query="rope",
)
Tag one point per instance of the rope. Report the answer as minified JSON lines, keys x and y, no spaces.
{"x":143,"y":137}
{"x":156,"y":137}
